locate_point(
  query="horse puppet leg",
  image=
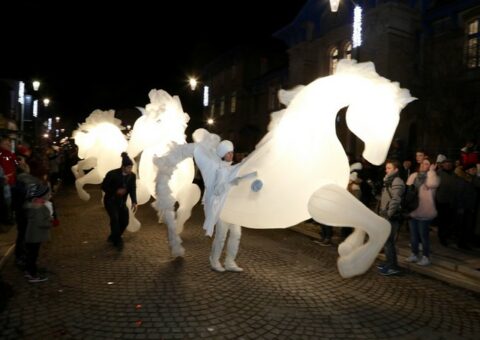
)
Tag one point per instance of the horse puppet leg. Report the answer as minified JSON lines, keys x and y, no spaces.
{"x":186,"y":198}
{"x":173,"y":237}
{"x":335,"y":206}
{"x":93,"y":177}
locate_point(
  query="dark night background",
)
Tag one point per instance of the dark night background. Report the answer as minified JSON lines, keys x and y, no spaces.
{"x":108,"y":55}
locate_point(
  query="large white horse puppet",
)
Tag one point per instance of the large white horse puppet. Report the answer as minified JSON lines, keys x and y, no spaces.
{"x":161,"y":126}
{"x":100,"y":142}
{"x":303,"y":170}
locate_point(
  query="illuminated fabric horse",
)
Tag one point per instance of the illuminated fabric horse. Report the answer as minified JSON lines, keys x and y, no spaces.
{"x":303,"y":170}
{"x":100,"y":142}
{"x":161,"y":126}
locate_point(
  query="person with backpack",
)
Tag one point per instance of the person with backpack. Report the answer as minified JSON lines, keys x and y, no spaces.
{"x":390,"y":209}
{"x":426,"y":181}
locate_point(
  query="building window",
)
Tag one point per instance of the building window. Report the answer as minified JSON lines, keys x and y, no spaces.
{"x":347,"y":50}
{"x":222,"y":106}
{"x":212,"y":108}
{"x":333,"y":59}
{"x":473,"y":44}
{"x":233,"y":102}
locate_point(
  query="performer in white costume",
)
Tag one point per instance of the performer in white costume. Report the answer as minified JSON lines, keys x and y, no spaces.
{"x":214,"y":199}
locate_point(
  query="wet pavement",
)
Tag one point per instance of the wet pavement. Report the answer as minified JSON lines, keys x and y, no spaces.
{"x":290,"y":289}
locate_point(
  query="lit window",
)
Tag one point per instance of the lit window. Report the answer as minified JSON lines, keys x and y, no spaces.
{"x":347,"y":51}
{"x":222,"y":106}
{"x":233,"y":102}
{"x":473,"y":44}
{"x":333,"y":59}
{"x":212,"y":108}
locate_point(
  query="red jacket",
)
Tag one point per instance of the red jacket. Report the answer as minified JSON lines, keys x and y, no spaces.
{"x":8,"y":162}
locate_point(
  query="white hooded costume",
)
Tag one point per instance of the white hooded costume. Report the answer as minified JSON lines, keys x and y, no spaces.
{"x":216,"y":190}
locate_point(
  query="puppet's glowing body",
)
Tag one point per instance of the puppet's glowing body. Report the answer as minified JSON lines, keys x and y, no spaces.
{"x":302,"y":169}
{"x":305,"y":170}
{"x":100,"y":142}
{"x":162,"y":125}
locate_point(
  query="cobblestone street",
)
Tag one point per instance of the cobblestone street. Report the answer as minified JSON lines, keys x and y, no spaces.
{"x":290,"y":289}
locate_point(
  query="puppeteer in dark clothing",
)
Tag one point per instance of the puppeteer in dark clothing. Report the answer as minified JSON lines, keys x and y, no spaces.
{"x":117,"y":185}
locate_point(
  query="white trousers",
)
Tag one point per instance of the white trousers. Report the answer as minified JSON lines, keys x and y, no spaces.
{"x":221,"y":230}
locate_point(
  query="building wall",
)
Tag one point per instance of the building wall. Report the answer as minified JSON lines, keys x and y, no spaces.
{"x":420,"y":44}
{"x":258,"y":69}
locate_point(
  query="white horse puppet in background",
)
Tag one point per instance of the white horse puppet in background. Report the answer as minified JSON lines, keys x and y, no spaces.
{"x":100,"y":142}
{"x":161,"y":126}
{"x":302,"y":168}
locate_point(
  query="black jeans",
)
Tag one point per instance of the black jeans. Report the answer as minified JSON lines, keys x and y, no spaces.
{"x":118,"y":213}
{"x":390,"y":251}
{"x":20,"y":249}
{"x":32,"y":255}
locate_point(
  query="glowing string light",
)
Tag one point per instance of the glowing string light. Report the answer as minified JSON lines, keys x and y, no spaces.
{"x":357,"y":27}
{"x":205,"y":95}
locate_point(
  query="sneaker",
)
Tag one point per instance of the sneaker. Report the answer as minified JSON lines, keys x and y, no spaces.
{"x":388,"y":271}
{"x":37,"y":278}
{"x":326,"y":243}
{"x":424,"y":261}
{"x":381,"y":266}
{"x":412,"y":258}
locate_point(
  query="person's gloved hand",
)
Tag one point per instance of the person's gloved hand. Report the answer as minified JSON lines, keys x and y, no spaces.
{"x":256,"y":185}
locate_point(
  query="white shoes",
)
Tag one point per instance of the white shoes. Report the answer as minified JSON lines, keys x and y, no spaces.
{"x":216,"y":266}
{"x":231,"y":266}
{"x":424,"y":261}
{"x":412,"y":258}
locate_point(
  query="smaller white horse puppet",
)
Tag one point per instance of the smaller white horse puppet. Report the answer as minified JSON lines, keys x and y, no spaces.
{"x":100,"y":142}
{"x":161,"y":126}
{"x":303,"y":170}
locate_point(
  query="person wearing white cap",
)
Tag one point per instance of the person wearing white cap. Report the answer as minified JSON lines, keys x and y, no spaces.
{"x":217,"y":195}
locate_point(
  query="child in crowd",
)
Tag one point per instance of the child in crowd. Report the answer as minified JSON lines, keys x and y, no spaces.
{"x":39,"y":211}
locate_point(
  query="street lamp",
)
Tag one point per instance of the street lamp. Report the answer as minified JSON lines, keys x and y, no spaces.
{"x":357,"y":21}
{"x":210,"y":121}
{"x":46,"y":101}
{"x":334,"y":5}
{"x":36,"y":85}
{"x":193,"y":83}
{"x":57,"y":119}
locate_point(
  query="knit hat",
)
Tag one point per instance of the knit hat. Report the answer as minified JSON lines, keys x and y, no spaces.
{"x":224,"y":147}
{"x":126,"y":161}
{"x":37,"y":190}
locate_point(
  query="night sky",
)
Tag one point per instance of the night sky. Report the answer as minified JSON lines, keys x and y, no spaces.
{"x":105,"y":55}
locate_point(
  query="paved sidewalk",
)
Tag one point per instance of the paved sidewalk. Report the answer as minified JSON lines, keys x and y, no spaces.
{"x":449,"y":264}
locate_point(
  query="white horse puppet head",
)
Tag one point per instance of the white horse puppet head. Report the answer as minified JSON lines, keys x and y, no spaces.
{"x":162,"y":122}
{"x":100,"y":141}
{"x":302,"y":153}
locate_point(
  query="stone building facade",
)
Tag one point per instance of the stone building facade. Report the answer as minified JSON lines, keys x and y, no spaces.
{"x":431,"y":47}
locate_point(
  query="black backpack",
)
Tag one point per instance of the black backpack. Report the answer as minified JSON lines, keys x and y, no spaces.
{"x":408,"y":203}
